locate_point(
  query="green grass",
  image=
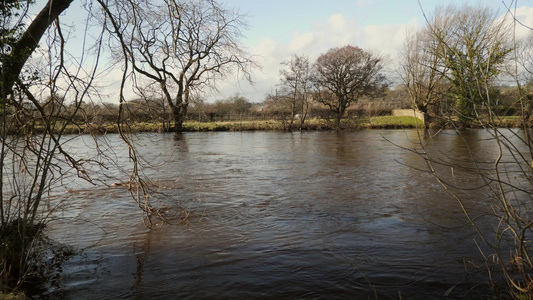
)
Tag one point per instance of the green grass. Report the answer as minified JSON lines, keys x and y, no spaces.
{"x":392,"y":122}
{"x":509,"y":121}
{"x":358,"y":123}
{"x":232,"y":126}
{"x":395,"y":122}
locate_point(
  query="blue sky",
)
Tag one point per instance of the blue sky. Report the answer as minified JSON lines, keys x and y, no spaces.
{"x":280,"y":28}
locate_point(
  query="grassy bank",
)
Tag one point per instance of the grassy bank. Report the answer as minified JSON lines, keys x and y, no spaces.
{"x":381,"y":122}
{"x":266,"y":125}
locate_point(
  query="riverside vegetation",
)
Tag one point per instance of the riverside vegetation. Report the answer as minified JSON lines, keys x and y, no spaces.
{"x":383,"y":122}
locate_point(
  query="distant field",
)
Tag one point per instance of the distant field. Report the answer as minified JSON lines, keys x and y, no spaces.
{"x":382,"y":122}
{"x":315,"y":124}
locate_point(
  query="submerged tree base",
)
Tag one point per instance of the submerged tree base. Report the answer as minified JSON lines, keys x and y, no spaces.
{"x":28,"y":258}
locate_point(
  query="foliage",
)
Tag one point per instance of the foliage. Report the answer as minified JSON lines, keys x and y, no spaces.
{"x":471,"y":50}
{"x":235,"y":106}
{"x":451,"y":66}
{"x":378,"y":122}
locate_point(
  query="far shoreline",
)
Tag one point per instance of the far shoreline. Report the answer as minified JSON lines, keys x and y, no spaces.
{"x":348,"y":124}
{"x":354,"y":124}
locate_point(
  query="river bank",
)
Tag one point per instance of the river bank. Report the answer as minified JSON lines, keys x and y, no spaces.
{"x":349,"y":124}
{"x":382,"y":122}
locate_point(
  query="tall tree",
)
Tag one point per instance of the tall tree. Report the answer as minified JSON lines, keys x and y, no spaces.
{"x":421,"y":72}
{"x":343,"y":75}
{"x":184,"y":46}
{"x":525,"y":58}
{"x":296,"y":86}
{"x":473,"y":46}
{"x":524,"y":77}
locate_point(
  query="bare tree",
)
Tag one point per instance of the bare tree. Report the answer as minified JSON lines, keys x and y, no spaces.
{"x":524,"y":75}
{"x":296,"y":87}
{"x":239,"y":105}
{"x":34,"y":95}
{"x":421,"y":72}
{"x":184,"y":46}
{"x":343,"y":75}
{"x":525,"y":59}
{"x":41,"y":100}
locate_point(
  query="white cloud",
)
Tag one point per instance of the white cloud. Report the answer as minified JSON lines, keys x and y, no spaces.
{"x":335,"y":31}
{"x":301,"y":41}
{"x":338,"y":30}
{"x":270,"y":53}
{"x":337,"y":22}
{"x":525,"y":16}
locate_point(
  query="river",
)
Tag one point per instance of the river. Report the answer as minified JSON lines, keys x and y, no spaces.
{"x":313,"y":215}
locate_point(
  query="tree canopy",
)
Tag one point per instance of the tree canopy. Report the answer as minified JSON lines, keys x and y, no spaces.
{"x":343,"y":75}
{"x":467,"y":46}
{"x":184,"y":46}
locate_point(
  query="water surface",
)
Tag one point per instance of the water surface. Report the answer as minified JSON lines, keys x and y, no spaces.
{"x":318,"y":215}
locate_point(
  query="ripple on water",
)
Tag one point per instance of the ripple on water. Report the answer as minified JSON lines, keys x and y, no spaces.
{"x":318,"y":215}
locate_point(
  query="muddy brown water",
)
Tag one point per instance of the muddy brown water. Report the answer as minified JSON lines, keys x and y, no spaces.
{"x":314,"y":215}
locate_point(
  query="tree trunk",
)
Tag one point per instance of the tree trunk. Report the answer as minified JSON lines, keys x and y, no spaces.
{"x":424,"y":110}
{"x":303,"y":116}
{"x":24,"y":47}
{"x":338,"y":118}
{"x":179,"y":113}
{"x":528,"y":108}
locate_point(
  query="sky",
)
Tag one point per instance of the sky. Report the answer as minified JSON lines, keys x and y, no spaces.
{"x":278,"y":29}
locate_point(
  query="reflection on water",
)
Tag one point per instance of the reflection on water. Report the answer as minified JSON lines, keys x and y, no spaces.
{"x":319,"y":215}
